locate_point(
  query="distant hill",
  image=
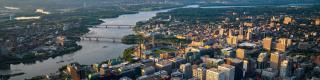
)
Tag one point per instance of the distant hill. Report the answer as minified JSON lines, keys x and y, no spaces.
{"x":56,"y":4}
{"x":51,"y":4}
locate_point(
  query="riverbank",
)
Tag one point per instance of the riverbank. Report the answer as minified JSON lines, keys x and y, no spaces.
{"x":5,"y":77}
{"x":85,"y":22}
{"x":84,"y":18}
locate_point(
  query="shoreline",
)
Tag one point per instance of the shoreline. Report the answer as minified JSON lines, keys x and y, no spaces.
{"x":96,"y":21}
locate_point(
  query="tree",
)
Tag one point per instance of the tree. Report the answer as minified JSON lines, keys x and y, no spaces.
{"x":127,"y":54}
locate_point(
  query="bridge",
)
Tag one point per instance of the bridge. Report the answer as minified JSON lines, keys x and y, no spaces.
{"x":100,"y":38}
{"x":112,"y":26}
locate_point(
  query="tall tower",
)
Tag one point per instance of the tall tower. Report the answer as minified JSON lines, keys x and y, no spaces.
{"x":267,"y":43}
{"x":248,"y":37}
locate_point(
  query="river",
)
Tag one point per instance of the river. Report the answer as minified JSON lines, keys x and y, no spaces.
{"x":92,"y":51}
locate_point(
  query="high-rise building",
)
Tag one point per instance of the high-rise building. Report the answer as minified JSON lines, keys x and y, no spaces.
{"x":232,"y":40}
{"x":241,"y":30}
{"x":275,"y":60}
{"x":240,"y":53}
{"x":283,"y":41}
{"x":240,"y":38}
{"x":245,"y":66}
{"x":229,"y":40}
{"x":262,"y":60}
{"x":215,"y":74}
{"x":281,"y":47}
{"x":186,"y":69}
{"x":282,"y":44}
{"x":238,"y":64}
{"x":283,"y":68}
{"x":229,"y":71}
{"x":267,"y":43}
{"x":248,"y":36}
{"x":317,"y":22}
{"x":199,"y":72}
{"x":221,"y":32}
{"x":289,"y":42}
{"x":286,"y":68}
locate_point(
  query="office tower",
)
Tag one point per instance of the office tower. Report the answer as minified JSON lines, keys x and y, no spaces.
{"x":245,"y":66}
{"x":317,"y":22}
{"x":286,"y":69}
{"x":221,"y":32}
{"x":238,"y":64}
{"x":283,"y":44}
{"x":232,"y":40}
{"x":281,"y":47}
{"x":186,"y":69}
{"x":241,"y":30}
{"x":215,"y":74}
{"x":229,"y":40}
{"x":240,"y":53}
{"x":287,"y":20}
{"x":282,"y":41}
{"x":275,"y":60}
{"x":284,"y":72}
{"x":267,"y":43}
{"x":262,"y":60}
{"x":248,"y":36}
{"x":289,"y":43}
{"x":299,"y":73}
{"x":240,"y":38}
{"x":199,"y":72}
{"x":229,"y":71}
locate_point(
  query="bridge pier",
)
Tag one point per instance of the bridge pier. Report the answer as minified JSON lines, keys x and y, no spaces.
{"x":97,"y":39}
{"x":89,"y":39}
